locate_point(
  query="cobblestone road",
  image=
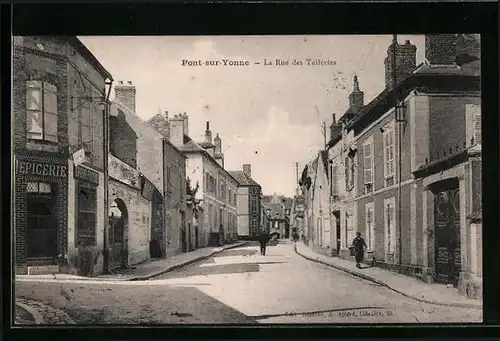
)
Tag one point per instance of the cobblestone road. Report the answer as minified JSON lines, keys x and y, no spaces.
{"x":240,"y":286}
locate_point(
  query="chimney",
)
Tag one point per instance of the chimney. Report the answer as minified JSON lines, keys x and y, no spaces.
{"x":440,"y":49}
{"x":335,"y":128}
{"x":185,"y":118}
{"x":208,"y":133}
{"x":247,"y":169}
{"x":161,"y":124}
{"x":125,"y":94}
{"x":356,"y":98}
{"x":468,"y":48}
{"x":177,"y":130}
{"x":218,"y":144}
{"x":405,"y":58}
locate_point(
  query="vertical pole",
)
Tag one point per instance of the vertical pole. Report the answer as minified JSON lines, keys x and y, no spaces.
{"x":297,"y":172}
{"x":105,"y":254}
{"x":400,"y":130}
{"x":324,"y":135}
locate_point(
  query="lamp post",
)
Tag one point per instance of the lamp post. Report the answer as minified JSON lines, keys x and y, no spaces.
{"x":107,"y":91}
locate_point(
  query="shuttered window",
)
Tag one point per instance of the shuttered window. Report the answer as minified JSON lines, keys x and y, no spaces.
{"x":41,"y":111}
{"x":334,"y":184}
{"x":473,"y":113}
{"x":370,"y":228}
{"x":86,"y":215}
{"x":388,"y":138}
{"x":368,"y":161}
{"x":390,"y":226}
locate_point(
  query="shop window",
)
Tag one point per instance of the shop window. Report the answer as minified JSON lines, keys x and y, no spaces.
{"x":38,"y":187}
{"x":86,"y":215}
{"x":41,"y":111}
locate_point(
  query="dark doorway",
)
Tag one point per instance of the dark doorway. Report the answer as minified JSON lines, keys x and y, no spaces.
{"x":42,"y":227}
{"x":118,"y":225}
{"x":447,"y":232}
{"x":196,"y":239}
{"x":190,"y":243}
{"x":336,"y":214}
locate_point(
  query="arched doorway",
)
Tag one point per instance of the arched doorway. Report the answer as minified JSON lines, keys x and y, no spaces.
{"x":118,"y":227}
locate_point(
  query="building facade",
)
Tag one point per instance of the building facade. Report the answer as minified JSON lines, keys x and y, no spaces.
{"x":411,"y":162}
{"x":216,"y":187}
{"x":248,"y":203}
{"x":59,"y":106}
{"x":320,"y":204}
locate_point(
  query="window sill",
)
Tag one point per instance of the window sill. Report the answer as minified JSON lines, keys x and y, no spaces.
{"x":42,"y":146}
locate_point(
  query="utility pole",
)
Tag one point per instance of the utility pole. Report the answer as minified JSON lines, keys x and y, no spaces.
{"x":324,"y":135}
{"x":400,"y":122}
{"x":297,"y":172}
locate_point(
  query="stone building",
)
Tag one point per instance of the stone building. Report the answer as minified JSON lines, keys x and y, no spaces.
{"x":217,"y":189}
{"x":412,"y":175}
{"x":249,"y":203}
{"x":59,"y":106}
{"x":136,"y":183}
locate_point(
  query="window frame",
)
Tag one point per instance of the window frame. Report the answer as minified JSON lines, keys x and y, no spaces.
{"x":389,"y":163}
{"x":368,"y":145}
{"x":334,"y":190}
{"x":370,"y":226}
{"x":45,"y":89}
{"x":389,"y":226}
{"x":92,"y":189}
{"x":473,"y":116}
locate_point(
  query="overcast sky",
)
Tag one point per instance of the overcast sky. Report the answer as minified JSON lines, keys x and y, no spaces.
{"x":268,"y":116}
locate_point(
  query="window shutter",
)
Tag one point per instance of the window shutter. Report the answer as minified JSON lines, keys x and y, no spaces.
{"x":477,"y":125}
{"x":50,"y":112}
{"x":346,"y":167}
{"x":34,"y":119}
{"x":334,"y":180}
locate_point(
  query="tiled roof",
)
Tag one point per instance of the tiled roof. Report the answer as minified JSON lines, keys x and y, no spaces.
{"x":451,"y":78}
{"x":205,"y":144}
{"x":243,"y":179}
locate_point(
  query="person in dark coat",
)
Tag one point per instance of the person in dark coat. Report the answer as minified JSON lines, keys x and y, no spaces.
{"x":359,"y":245}
{"x":263,"y":240}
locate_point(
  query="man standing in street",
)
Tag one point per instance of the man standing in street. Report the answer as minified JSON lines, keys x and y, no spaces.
{"x":263,"y":240}
{"x":359,"y":249}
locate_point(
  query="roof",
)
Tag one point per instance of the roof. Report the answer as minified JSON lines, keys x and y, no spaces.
{"x":423,"y":78}
{"x":89,"y":56}
{"x":205,"y":144}
{"x":243,"y":179}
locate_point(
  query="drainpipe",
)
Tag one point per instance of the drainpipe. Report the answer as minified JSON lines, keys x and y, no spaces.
{"x":164,"y":232}
{"x":105,"y":113}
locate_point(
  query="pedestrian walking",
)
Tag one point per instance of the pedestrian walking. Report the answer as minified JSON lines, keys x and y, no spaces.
{"x":263,"y":240}
{"x":358,"y":246}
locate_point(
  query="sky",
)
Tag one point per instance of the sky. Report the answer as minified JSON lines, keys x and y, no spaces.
{"x":269,"y":116}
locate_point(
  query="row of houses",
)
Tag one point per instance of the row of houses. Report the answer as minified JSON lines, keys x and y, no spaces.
{"x":96,"y":187}
{"x":405,"y":169}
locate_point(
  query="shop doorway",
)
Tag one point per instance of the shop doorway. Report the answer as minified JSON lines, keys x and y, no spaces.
{"x":117,"y":242}
{"x":447,"y":232}
{"x":41,"y":223}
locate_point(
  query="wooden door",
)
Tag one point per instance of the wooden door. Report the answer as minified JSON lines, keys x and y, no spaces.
{"x":447,"y":236}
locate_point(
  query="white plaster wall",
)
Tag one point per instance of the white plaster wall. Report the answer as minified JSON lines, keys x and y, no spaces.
{"x":194,"y":171}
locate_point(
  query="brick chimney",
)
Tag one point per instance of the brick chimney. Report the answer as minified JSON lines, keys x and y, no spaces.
{"x":405,"y":58}
{"x":440,"y":49}
{"x":218,"y":144}
{"x":161,"y":123}
{"x":247,"y":169}
{"x":125,"y":94}
{"x":208,"y":133}
{"x":185,"y":126}
{"x":177,"y":130}
{"x":356,"y":98}
{"x":335,"y":127}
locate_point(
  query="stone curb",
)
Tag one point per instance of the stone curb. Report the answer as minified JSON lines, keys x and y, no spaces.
{"x":374,"y":280}
{"x":186,"y":263}
{"x":33,"y":312}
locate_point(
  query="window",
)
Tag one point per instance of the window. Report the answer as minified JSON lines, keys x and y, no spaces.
{"x":85,"y":123}
{"x":389,"y":225}
{"x":473,"y":116}
{"x":370,"y":226}
{"x":86,"y":215}
{"x":368,"y":164}
{"x":38,"y":187}
{"x":41,"y":111}
{"x":388,"y":137}
{"x":349,"y":172}
{"x":334,"y":185}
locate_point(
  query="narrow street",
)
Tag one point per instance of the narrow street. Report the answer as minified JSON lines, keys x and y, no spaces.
{"x":241,"y":286}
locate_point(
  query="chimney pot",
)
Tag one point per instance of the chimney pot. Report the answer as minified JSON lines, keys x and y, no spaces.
{"x":208,"y":125}
{"x":407,"y":42}
{"x":130,"y":82}
{"x":333,"y":116}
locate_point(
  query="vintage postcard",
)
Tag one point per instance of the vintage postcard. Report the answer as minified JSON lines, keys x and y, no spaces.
{"x":247,"y":179}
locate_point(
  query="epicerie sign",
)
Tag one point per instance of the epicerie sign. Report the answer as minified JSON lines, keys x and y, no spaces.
{"x":41,"y":168}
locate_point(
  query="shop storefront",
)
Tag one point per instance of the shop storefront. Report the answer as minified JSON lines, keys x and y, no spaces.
{"x":40,"y":211}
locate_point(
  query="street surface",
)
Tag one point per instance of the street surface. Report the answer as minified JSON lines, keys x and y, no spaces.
{"x":241,"y":286}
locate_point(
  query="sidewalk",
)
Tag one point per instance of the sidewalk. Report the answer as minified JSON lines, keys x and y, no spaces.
{"x":404,"y":285}
{"x":147,"y":270}
{"x":30,"y":312}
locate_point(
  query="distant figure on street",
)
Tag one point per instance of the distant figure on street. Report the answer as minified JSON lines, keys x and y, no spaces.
{"x":263,"y":240}
{"x":358,"y":245}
